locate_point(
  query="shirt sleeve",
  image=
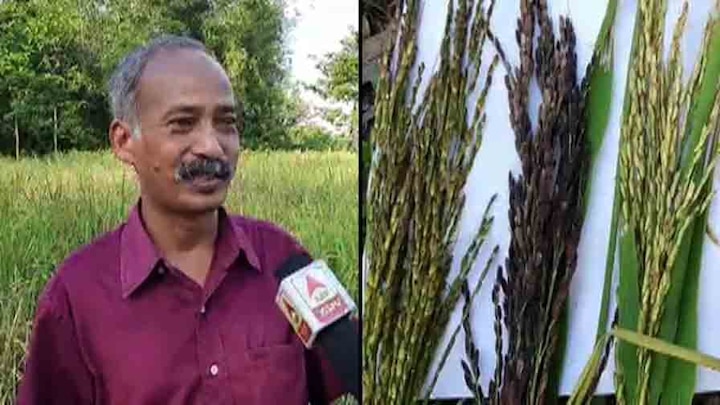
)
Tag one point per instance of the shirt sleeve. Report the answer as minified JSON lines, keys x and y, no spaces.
{"x":55,"y":371}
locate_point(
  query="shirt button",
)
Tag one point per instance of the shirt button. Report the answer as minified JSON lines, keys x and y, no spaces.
{"x":202,"y":309}
{"x":214,"y":370}
{"x":161,"y":270}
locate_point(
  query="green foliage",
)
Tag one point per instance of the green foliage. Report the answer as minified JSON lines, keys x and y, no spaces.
{"x":312,"y":137}
{"x":45,"y":68}
{"x":247,"y":37}
{"x":57,"y":55}
{"x":339,"y":70}
{"x":339,"y":82}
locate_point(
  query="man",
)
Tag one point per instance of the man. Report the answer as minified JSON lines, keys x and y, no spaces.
{"x":175,"y":306}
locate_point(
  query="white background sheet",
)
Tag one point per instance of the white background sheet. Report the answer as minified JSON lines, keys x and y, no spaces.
{"x":497,"y":157}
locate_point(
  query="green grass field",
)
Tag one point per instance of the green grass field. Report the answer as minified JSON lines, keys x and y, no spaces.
{"x":49,"y":207}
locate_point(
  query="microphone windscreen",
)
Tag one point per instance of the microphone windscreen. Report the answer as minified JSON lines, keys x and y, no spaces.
{"x":291,"y":265}
{"x":341,"y":344}
{"x":340,"y":340}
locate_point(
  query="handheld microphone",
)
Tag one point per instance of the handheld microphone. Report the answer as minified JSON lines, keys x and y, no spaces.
{"x":318,"y":308}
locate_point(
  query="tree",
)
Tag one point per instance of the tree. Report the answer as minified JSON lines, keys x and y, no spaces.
{"x":56,"y":57}
{"x":340,"y":71}
{"x":189,"y":15}
{"x":247,"y":36}
{"x":45,"y":72}
{"x":339,"y":82}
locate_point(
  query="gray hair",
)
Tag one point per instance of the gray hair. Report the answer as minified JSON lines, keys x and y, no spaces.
{"x":124,"y":81}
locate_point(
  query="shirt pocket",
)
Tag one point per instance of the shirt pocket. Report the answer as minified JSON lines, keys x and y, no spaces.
{"x":272,"y":374}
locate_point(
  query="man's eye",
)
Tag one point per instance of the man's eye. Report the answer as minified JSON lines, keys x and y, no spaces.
{"x":228,"y":124}
{"x":229,"y":121}
{"x":182,"y":123}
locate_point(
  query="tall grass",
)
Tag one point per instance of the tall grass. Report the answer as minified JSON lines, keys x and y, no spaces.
{"x":49,"y":207}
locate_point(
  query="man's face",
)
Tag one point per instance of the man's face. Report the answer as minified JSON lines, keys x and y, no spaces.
{"x":188,"y":148}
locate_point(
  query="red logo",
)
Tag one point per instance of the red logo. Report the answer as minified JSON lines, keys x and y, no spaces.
{"x":304,"y":332}
{"x":294,"y":318}
{"x":316,"y":291}
{"x":313,"y":285}
{"x":331,"y":310}
{"x":298,"y":324}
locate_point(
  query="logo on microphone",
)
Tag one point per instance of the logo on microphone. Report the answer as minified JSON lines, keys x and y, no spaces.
{"x":311,"y":298}
{"x":296,"y":321}
{"x":317,"y":291}
{"x":322,"y":298}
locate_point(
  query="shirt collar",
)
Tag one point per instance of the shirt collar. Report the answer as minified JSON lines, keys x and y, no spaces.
{"x":139,"y":256}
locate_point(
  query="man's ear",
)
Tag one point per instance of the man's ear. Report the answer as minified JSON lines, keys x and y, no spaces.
{"x":121,"y":141}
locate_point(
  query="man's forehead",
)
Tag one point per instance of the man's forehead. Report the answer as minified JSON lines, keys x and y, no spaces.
{"x":181,"y":75}
{"x":183,"y":62}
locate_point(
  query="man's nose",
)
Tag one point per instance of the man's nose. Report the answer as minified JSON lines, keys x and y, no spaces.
{"x":207,"y":143}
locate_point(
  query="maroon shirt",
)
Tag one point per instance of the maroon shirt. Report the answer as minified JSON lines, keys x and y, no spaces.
{"x":118,"y":325}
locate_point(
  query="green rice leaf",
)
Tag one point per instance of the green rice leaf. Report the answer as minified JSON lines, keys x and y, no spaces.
{"x":702,"y":101}
{"x":600,"y":75}
{"x":609,"y":267}
{"x":599,"y":101}
{"x":668,"y":349}
{"x":629,"y":297}
{"x":675,"y":379}
{"x":613,"y":237}
{"x":587,"y":382}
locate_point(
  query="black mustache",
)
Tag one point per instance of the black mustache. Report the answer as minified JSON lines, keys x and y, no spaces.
{"x":204,"y":168}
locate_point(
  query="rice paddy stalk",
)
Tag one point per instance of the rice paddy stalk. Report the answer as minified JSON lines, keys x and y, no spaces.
{"x":597,"y":89}
{"x":664,"y":184}
{"x":673,"y":378}
{"x":423,"y":154}
{"x":546,"y":212}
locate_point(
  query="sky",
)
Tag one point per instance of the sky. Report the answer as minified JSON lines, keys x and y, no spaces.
{"x":320,"y":26}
